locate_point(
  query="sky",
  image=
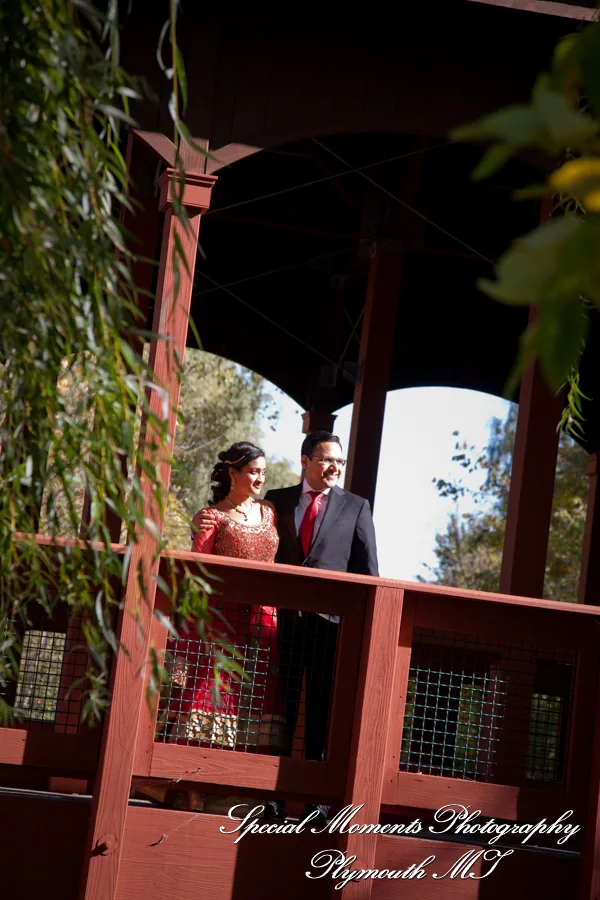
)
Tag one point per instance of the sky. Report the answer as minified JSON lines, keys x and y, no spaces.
{"x":417,"y":447}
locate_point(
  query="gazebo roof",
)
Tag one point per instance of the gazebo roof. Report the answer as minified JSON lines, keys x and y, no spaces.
{"x":282,"y":278}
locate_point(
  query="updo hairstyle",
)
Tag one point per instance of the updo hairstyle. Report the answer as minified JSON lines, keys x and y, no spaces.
{"x":238,"y":456}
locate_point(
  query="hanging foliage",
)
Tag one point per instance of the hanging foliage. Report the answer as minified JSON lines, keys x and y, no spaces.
{"x":557,"y":266}
{"x":73,"y":390}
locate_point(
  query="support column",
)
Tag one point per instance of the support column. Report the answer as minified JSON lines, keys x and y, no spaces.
{"x":141,"y":224}
{"x":317,"y":420}
{"x":375,"y":361}
{"x":531,"y":488}
{"x":372,"y":720}
{"x":589,"y":578}
{"x":532,"y":478}
{"x":113,"y":780}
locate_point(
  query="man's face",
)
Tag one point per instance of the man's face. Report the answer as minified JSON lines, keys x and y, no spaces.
{"x":323,"y":470}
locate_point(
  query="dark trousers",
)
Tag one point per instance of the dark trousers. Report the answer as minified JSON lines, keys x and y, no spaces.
{"x":307,"y":644}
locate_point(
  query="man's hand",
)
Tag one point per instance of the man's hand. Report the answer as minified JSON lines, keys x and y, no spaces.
{"x":203,"y":521}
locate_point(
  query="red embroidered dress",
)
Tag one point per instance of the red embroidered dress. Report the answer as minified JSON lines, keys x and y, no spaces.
{"x":249,"y":714}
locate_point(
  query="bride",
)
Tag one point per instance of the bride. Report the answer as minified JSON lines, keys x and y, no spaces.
{"x":248,"y":714}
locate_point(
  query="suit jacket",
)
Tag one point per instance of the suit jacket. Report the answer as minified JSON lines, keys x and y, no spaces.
{"x":345,"y":541}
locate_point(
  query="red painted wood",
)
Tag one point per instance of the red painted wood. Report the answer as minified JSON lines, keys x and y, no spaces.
{"x":398,"y":704}
{"x":375,"y":360}
{"x":372,"y":718}
{"x":45,"y":540}
{"x":499,"y":800}
{"x":115,"y":770}
{"x":581,"y":737}
{"x":249,"y":581}
{"x":174,"y":762}
{"x":41,"y":847}
{"x":183,"y":855}
{"x":531,"y":488}
{"x":38,"y":746}
{"x":318,"y":420}
{"x":144,"y":746}
{"x":546,"y":7}
{"x":521,"y":875}
{"x":532,"y":480}
{"x":562,"y":630}
{"x":160,"y":145}
{"x":589,"y":578}
{"x":589,"y":873}
{"x":426,"y":590}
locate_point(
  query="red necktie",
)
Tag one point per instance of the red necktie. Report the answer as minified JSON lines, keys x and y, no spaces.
{"x":308,"y":522}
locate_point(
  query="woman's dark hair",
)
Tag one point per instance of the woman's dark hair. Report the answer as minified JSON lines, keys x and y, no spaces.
{"x":238,"y":456}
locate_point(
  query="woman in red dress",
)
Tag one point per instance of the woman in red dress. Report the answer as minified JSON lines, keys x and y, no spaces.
{"x":247,"y":713}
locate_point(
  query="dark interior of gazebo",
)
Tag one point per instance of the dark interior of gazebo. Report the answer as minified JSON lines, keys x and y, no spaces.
{"x":288,"y":238}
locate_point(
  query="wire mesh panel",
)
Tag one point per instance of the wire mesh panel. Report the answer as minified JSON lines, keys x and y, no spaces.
{"x":485,"y":710}
{"x":33,"y":695}
{"x":48,"y":665}
{"x":69,"y":707}
{"x":278,"y":702}
{"x":36,"y":695}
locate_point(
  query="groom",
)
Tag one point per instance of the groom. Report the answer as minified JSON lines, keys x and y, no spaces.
{"x":346,"y":540}
{"x":323,"y":527}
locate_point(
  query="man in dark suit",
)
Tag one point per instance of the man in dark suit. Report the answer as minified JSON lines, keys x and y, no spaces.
{"x":346,"y":542}
{"x":323,"y":527}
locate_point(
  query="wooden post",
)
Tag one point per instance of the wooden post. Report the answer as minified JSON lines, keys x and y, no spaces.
{"x":589,"y":865}
{"x":589,"y":578}
{"x":317,"y":420}
{"x":141,"y":224}
{"x":532,"y":478}
{"x":375,"y":361}
{"x":113,"y":780}
{"x":367,"y":764}
{"x":531,"y":488}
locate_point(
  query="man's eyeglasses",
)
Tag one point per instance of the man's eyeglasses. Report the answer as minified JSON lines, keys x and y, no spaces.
{"x":330,"y":461}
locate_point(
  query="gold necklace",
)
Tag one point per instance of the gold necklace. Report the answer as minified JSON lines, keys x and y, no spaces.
{"x":237,"y":509}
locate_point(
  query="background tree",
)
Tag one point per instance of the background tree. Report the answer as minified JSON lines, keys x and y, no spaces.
{"x":220,"y":403}
{"x":469,"y":551}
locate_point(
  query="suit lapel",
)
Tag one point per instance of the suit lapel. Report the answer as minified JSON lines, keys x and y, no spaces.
{"x":335,"y":505}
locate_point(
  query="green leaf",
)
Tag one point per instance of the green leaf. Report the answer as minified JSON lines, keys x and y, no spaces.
{"x":563,"y":125}
{"x":180,"y":69}
{"x":516,"y":125}
{"x":589,"y":55}
{"x":533,"y":262}
{"x":562,"y":334}
{"x":492,"y":160}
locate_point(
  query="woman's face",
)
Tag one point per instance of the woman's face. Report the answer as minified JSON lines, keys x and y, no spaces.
{"x":250,"y":479}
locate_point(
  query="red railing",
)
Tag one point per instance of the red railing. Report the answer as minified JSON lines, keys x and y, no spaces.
{"x":440,"y":695}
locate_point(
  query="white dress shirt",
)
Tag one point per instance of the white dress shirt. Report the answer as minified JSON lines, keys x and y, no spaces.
{"x":303,"y":504}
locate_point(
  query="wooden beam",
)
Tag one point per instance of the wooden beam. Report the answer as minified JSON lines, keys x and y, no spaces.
{"x":113,"y":780}
{"x":589,"y":578}
{"x":564,"y":10}
{"x":141,"y":224}
{"x":532,"y":478}
{"x":531,"y":488}
{"x":589,"y":867}
{"x":371,"y":723}
{"x":317,"y":420}
{"x":375,"y":361}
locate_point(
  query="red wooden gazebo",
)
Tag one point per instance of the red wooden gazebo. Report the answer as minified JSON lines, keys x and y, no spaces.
{"x":339,"y":229}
